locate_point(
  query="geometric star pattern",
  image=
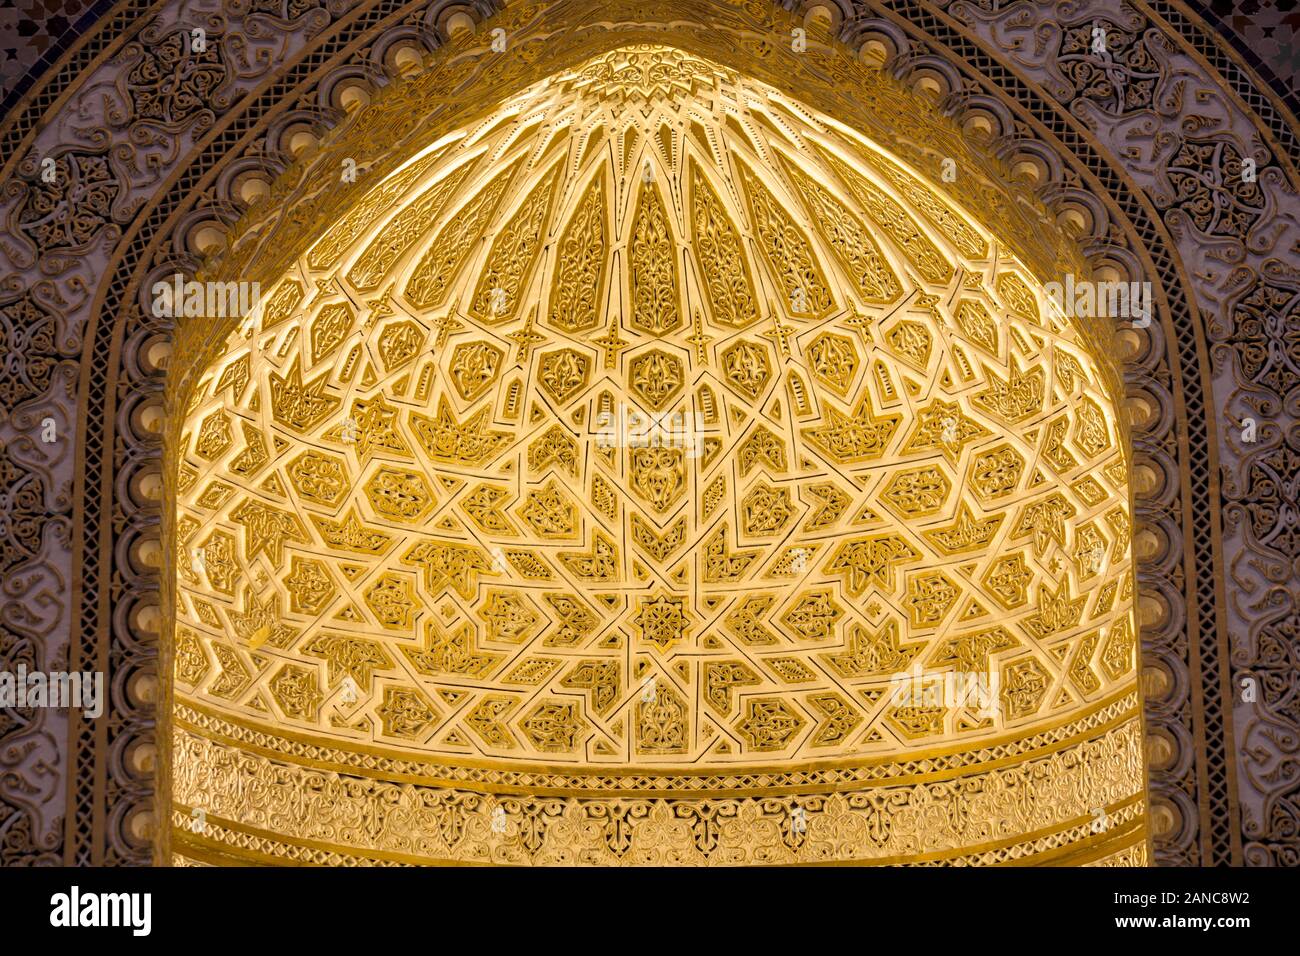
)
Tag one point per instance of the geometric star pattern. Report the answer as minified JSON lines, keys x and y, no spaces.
{"x":776,"y":422}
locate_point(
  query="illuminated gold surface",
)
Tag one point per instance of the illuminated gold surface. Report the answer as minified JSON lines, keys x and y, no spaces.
{"x":404,"y":530}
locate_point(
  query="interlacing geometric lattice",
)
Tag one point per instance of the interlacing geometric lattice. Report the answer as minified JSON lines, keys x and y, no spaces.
{"x":417,"y":510}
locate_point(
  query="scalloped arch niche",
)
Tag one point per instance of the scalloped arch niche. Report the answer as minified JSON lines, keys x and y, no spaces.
{"x":654,"y":471}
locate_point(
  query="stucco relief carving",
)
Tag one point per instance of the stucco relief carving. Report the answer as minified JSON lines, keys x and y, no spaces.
{"x":1184,"y":140}
{"x":132,"y":123}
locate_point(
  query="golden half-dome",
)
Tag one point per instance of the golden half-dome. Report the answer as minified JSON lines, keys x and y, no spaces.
{"x":655,"y":449}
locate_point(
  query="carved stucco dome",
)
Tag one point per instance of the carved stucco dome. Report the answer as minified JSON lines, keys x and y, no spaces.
{"x":630,"y":440}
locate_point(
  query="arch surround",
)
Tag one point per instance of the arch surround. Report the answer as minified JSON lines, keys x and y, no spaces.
{"x":495,"y":575}
{"x":1196,"y":819}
